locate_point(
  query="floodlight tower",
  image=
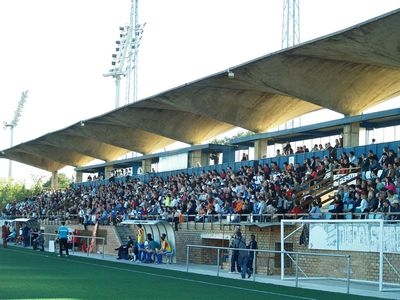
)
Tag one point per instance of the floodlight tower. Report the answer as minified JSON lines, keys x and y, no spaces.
{"x":124,"y":61}
{"x":13,"y":124}
{"x":291,"y":23}
{"x":291,"y":34}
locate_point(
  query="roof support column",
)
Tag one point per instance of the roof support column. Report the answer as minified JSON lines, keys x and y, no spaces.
{"x":54,"y":180}
{"x":146,"y":165}
{"x":78,"y":176}
{"x":351,"y":135}
{"x":260,"y":148}
{"x":197,"y":159}
{"x":108,"y":172}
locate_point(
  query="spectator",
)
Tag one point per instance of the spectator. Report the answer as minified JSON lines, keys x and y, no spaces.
{"x":245,"y":157}
{"x":338,"y":208}
{"x":26,"y":235}
{"x":315,"y":211}
{"x":332,"y":151}
{"x":364,"y":164}
{"x":373,"y":201}
{"x":353,"y":160}
{"x":386,"y":209}
{"x":373,"y":162}
{"x":395,"y":210}
{"x":392,"y":196}
{"x":338,"y":144}
{"x":287,"y":149}
{"x":389,"y":185}
{"x":384,"y":156}
{"x":252,"y":254}
{"x":38,"y":242}
{"x":243,"y":254}
{"x":296,"y":209}
{"x":235,"y":266}
{"x":363,"y":207}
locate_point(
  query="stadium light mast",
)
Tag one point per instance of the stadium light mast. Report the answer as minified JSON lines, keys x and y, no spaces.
{"x":124,"y":61}
{"x":291,"y":34}
{"x":11,"y":125}
{"x":291,"y":23}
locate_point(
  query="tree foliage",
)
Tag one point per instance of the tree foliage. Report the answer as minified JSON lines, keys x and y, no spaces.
{"x":11,"y":191}
{"x":63,"y":182}
{"x":227,"y":139}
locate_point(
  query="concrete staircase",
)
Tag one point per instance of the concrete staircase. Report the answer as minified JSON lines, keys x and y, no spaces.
{"x":123,"y":231}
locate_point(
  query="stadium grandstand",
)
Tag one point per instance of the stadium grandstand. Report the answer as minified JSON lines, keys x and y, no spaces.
{"x":328,"y":172}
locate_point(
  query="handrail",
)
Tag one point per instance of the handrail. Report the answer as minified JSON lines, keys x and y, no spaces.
{"x":289,"y":253}
{"x":263,"y":218}
{"x":53,"y":237}
{"x":320,"y":189}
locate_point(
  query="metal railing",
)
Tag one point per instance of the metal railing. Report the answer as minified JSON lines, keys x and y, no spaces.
{"x":91,"y":242}
{"x":296,"y":260}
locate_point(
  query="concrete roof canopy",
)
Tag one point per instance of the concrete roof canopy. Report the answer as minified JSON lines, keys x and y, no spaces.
{"x":348,"y":72}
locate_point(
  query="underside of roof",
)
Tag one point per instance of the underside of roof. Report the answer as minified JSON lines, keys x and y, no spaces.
{"x":347,"y":72}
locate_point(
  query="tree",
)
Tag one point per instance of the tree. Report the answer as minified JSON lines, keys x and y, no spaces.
{"x":63,"y":182}
{"x":226,"y":140}
{"x":10,"y":192}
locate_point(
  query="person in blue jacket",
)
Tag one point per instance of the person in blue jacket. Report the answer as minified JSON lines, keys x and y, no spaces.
{"x":63,"y":238}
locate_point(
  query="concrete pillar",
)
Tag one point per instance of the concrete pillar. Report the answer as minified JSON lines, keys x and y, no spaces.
{"x":260,"y":148}
{"x":108,"y":171}
{"x":78,"y":176}
{"x":146,"y":165}
{"x":195,"y":159}
{"x":54,"y":180}
{"x":351,"y":135}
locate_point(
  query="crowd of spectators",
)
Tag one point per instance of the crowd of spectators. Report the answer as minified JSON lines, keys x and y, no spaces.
{"x":246,"y":194}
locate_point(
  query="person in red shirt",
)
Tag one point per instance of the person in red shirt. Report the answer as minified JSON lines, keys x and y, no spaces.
{"x":5,"y":232}
{"x":296,"y":209}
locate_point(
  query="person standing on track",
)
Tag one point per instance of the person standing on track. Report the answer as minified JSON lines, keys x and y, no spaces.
{"x":5,"y":232}
{"x":63,"y":239}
